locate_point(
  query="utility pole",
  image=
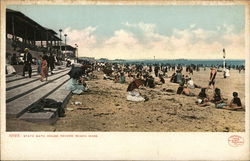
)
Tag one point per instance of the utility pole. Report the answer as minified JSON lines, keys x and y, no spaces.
{"x":65,"y":44}
{"x":60,"y":30}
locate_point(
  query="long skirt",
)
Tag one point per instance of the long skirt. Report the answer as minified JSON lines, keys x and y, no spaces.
{"x":75,"y":87}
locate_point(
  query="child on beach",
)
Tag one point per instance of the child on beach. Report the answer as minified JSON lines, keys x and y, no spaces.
{"x":235,"y":102}
{"x":202,"y":98}
{"x":218,"y":99}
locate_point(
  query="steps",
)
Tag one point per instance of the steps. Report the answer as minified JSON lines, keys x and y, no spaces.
{"x":21,"y":94}
{"x":37,"y":84}
{"x":11,"y":78}
{"x":60,"y":95}
{"x":22,"y":81}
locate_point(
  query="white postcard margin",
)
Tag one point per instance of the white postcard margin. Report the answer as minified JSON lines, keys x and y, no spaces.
{"x":123,"y":145}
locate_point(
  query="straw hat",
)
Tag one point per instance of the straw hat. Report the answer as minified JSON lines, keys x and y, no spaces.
{"x":26,"y":49}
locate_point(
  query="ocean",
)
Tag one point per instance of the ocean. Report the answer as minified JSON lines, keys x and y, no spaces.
{"x":204,"y":62}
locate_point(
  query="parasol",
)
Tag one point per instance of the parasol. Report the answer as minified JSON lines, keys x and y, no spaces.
{"x":135,"y":84}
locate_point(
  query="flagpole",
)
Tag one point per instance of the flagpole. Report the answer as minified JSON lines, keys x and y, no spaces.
{"x":224,"y":59}
{"x":224,"y":62}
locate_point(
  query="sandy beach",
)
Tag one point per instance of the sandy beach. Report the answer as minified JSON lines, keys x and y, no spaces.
{"x":105,"y":108}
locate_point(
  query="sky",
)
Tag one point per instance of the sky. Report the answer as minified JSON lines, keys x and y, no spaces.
{"x":145,"y":31}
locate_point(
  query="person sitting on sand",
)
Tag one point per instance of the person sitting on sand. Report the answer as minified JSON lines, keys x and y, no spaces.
{"x":235,"y":103}
{"x":173,"y":78}
{"x":202,"y":98}
{"x":191,"y":84}
{"x":182,"y":89}
{"x":122,"y":78}
{"x":116,"y":79}
{"x":150,"y":82}
{"x":161,"y":79}
{"x":76,"y":84}
{"x":138,"y":75}
{"x":218,"y":99}
{"x":106,"y":77}
{"x":187,"y":92}
{"x":179,"y":76}
{"x":134,"y":95}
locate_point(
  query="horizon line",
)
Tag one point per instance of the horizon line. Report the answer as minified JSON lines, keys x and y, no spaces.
{"x":170,"y":59}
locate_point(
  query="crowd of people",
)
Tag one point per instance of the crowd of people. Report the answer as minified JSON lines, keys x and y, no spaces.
{"x":135,"y":75}
{"x":150,"y":76}
{"x":44,"y":64}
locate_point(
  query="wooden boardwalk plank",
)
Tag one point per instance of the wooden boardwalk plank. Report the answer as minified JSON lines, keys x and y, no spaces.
{"x":25,"y":89}
{"x":18,"y":106}
{"x":21,"y":82}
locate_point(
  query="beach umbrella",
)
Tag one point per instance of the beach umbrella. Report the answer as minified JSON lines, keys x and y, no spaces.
{"x":135,"y":84}
{"x":139,"y":82}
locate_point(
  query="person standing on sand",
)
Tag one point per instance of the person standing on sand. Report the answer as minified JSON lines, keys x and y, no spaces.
{"x":213,"y":73}
{"x":156,"y":69}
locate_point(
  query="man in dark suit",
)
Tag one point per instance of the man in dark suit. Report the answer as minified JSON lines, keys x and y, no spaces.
{"x":51,"y":62}
{"x":27,"y":62}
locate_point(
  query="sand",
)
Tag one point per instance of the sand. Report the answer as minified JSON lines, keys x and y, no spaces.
{"x":105,"y":108}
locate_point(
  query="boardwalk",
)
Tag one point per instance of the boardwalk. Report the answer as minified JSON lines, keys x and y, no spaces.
{"x":23,"y":92}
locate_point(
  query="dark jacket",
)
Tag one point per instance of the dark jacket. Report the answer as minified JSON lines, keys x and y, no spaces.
{"x":51,"y":60}
{"x":29,"y":57}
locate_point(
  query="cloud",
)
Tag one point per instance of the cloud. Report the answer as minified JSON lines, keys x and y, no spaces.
{"x":192,"y":25}
{"x":192,"y":43}
{"x":83,"y":38}
{"x":145,"y":27}
{"x":121,"y":37}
